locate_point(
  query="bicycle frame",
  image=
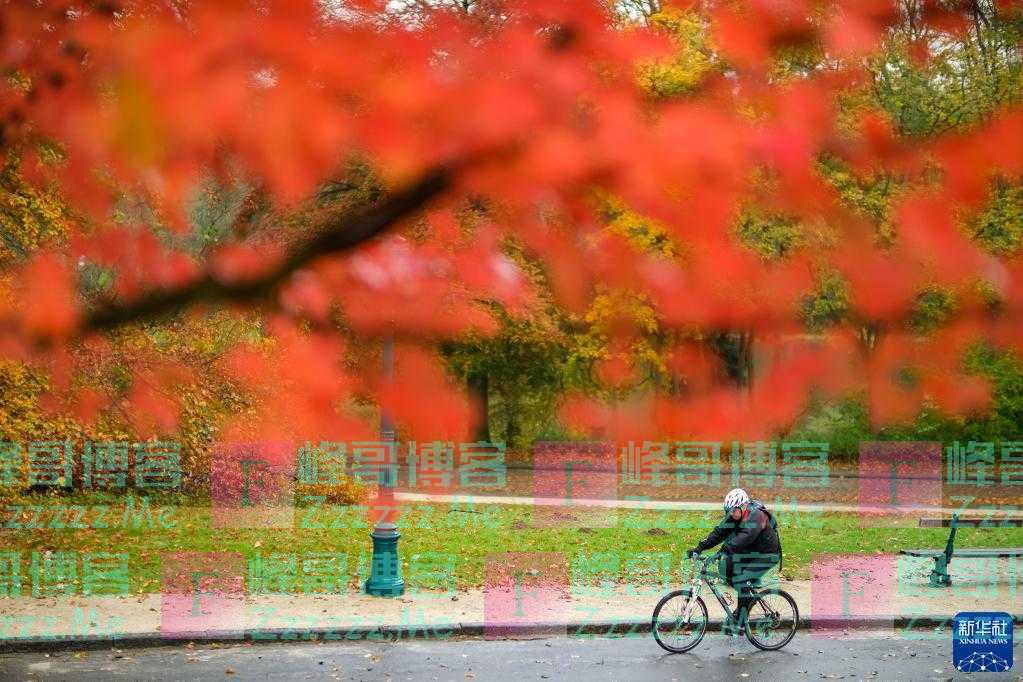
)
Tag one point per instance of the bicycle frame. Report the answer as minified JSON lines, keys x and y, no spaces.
{"x":702,"y":577}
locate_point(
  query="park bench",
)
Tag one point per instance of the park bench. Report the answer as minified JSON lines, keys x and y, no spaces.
{"x":939,"y":575}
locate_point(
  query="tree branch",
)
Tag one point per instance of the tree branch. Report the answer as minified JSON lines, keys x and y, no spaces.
{"x":346,"y":233}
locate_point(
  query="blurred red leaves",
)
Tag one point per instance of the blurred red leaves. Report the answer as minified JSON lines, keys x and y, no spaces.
{"x":749,"y":31}
{"x":46,"y":299}
{"x":283,"y":97}
{"x":928,"y":227}
{"x":299,"y":385}
{"x":421,"y":399}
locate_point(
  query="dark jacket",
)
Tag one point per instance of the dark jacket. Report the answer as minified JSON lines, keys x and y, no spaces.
{"x":758,"y":532}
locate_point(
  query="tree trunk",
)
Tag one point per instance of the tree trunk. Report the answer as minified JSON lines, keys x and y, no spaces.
{"x":512,"y":427}
{"x":479,"y":395}
{"x":746,"y":359}
{"x":735,"y":350}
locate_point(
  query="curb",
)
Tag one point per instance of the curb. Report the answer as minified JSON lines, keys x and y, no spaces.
{"x":396,"y":633}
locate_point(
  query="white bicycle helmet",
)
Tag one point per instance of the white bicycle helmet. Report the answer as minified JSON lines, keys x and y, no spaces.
{"x":736,"y":497}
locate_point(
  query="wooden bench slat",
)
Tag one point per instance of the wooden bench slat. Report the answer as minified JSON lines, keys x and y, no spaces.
{"x":922,"y":552}
{"x":980,"y":522}
{"x":990,"y":552}
{"x":979,"y":552}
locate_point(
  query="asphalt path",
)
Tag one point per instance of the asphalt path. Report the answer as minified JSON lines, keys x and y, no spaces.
{"x":839,"y":489}
{"x":860,"y":656}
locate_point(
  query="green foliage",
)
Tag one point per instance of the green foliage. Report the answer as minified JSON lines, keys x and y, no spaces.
{"x":213,"y":209}
{"x":933,"y":306}
{"x":797,"y":60}
{"x":1005,"y":372}
{"x":870,"y":197}
{"x":999,"y":227}
{"x":213,"y":212}
{"x":844,"y":424}
{"x":525,"y":367}
{"x":772,"y":236}
{"x":536,"y":358}
{"x":93,"y":279}
{"x":828,"y":304}
{"x":962,"y":82}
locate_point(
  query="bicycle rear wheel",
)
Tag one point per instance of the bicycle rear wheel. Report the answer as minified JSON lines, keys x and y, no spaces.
{"x":772,"y":621}
{"x":672,"y":629}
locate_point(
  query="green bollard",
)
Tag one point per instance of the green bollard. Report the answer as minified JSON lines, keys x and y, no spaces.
{"x":385,"y":577}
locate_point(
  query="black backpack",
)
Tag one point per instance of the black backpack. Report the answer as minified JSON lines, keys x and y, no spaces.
{"x":774,"y":525}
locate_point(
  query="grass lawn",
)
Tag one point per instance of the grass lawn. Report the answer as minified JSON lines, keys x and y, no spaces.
{"x":441,"y":545}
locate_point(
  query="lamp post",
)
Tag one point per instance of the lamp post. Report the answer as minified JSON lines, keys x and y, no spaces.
{"x":385,"y":577}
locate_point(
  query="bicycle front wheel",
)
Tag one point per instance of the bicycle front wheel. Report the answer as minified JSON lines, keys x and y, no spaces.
{"x":680,"y":621}
{"x":772,"y":621}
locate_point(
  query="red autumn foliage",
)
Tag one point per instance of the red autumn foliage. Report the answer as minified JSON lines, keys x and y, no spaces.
{"x":46,"y":298}
{"x":531,"y":112}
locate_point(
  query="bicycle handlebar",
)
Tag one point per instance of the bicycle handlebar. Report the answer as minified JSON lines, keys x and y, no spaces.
{"x":702,"y":563}
{"x":707,"y":558}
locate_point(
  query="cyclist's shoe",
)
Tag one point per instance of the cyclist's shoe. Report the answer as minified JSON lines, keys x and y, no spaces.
{"x":733,"y":624}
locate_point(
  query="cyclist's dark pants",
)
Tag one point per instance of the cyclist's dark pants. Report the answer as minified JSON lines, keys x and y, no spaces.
{"x":744,"y":571}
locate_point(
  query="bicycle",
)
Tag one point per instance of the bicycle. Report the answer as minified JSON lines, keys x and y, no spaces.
{"x":773,"y":611}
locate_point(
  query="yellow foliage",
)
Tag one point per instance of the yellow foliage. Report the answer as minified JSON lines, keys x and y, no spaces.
{"x":29,"y":218}
{"x":347,"y":492}
{"x":644,"y":233}
{"x":691,"y":62}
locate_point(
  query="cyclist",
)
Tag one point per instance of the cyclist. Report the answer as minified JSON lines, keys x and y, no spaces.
{"x":748,"y":531}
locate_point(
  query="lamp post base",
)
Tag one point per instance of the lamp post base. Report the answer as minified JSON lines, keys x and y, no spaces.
{"x":385,"y":578}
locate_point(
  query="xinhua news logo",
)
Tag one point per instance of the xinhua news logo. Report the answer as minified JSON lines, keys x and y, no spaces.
{"x":982,"y":642}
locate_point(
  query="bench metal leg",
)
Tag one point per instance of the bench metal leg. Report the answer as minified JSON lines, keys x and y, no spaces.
{"x":940,"y":576}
